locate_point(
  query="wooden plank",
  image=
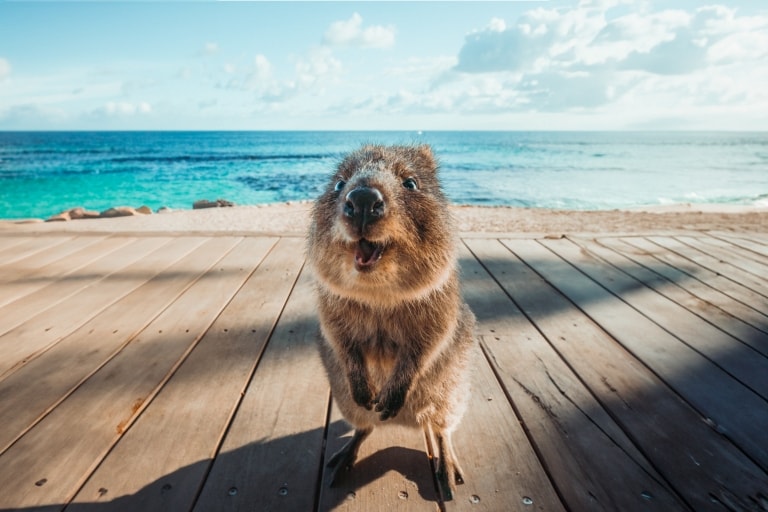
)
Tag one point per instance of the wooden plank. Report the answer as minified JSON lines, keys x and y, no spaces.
{"x":745,"y":249}
{"x":42,"y":288}
{"x":8,"y":242}
{"x":495,"y":314}
{"x":690,"y":277}
{"x":739,"y":320}
{"x":758,"y":237}
{"x":66,"y":446}
{"x":704,"y":275}
{"x":512,"y":456}
{"x":592,"y":462}
{"x":392,"y":471}
{"x":32,"y":246}
{"x":717,"y":395}
{"x":32,"y":266}
{"x":271,"y":456}
{"x":636,"y":286}
{"x":501,"y":469}
{"x":716,"y":265}
{"x":108,"y":282}
{"x":726,"y":406}
{"x":163,"y":459}
{"x":751,"y":244}
{"x":729,"y":254}
{"x":590,"y":468}
{"x":28,"y":394}
{"x":697,"y":461}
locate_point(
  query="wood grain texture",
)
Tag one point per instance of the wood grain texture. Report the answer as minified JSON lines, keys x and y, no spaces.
{"x":643,"y":290}
{"x":29,"y":290}
{"x":705,"y":276}
{"x":594,"y":465}
{"x":36,"y":388}
{"x":271,"y":455}
{"x":688,"y":451}
{"x":41,"y":332}
{"x":179,"y":372}
{"x":83,"y":428}
{"x":31,"y":246}
{"x":195,"y":406}
{"x":716,"y":263}
{"x":735,"y":317}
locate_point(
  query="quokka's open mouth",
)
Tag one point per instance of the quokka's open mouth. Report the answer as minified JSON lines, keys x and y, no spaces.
{"x":367,"y":254}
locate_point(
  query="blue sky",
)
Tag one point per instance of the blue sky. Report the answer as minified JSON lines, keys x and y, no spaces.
{"x":549,"y":65}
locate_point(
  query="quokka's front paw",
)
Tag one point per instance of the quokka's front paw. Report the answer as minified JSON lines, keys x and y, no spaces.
{"x":362,"y":395}
{"x":389,"y":402}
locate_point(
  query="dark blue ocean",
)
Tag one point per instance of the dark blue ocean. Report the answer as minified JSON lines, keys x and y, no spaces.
{"x":42,"y":173}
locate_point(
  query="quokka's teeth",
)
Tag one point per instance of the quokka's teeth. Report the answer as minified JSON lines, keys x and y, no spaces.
{"x":367,"y":253}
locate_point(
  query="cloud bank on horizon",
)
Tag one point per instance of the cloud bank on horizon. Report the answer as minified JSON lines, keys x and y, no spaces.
{"x":593,"y":64}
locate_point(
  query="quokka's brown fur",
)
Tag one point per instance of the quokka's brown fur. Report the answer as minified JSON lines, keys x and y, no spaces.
{"x":396,"y":336}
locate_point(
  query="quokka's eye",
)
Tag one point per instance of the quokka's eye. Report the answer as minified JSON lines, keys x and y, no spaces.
{"x":410,"y":184}
{"x":339,"y":185}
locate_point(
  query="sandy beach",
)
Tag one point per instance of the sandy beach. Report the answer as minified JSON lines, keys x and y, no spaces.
{"x":292,"y":218}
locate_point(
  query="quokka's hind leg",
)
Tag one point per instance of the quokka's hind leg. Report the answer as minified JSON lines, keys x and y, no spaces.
{"x":448,"y":473}
{"x":343,"y":460}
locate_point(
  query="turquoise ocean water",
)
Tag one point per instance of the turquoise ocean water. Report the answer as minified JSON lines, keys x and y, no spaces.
{"x":42,"y":173}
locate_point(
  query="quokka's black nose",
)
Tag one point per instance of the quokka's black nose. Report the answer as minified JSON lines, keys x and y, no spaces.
{"x":364,"y":205}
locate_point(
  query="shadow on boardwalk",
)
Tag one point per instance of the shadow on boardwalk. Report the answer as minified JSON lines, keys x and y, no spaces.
{"x":619,"y":409}
{"x":273,"y":483}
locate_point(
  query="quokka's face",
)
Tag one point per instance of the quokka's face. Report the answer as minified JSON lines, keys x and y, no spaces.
{"x":382,"y":220}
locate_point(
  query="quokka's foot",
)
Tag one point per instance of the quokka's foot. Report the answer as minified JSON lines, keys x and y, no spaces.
{"x":447,"y":480}
{"x":343,"y":460}
{"x":448,"y":473}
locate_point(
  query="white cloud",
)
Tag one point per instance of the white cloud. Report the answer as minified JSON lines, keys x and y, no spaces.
{"x":261,"y":79}
{"x":318,"y":64}
{"x":311,"y":75}
{"x":124,"y":108}
{"x":5,"y":69}
{"x":739,"y":47}
{"x":665,"y":42}
{"x":421,"y":70}
{"x":351,"y":33}
{"x":262,"y":67}
{"x":210,"y":48}
{"x":627,"y":65}
{"x":624,"y":61}
{"x":497,"y":25}
{"x":185,"y":73}
{"x":254,"y":76}
{"x":717,"y":20}
{"x":636,"y":33}
{"x":31,"y":116}
{"x":588,"y":57}
{"x":134,"y":86}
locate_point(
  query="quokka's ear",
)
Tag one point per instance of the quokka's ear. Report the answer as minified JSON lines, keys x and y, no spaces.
{"x":427,"y":158}
{"x":425,"y":150}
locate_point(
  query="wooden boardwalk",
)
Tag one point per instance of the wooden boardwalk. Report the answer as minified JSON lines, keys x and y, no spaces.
{"x":614,"y":373}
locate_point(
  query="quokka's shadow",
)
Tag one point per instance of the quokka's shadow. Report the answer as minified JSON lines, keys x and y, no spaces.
{"x":279,"y":474}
